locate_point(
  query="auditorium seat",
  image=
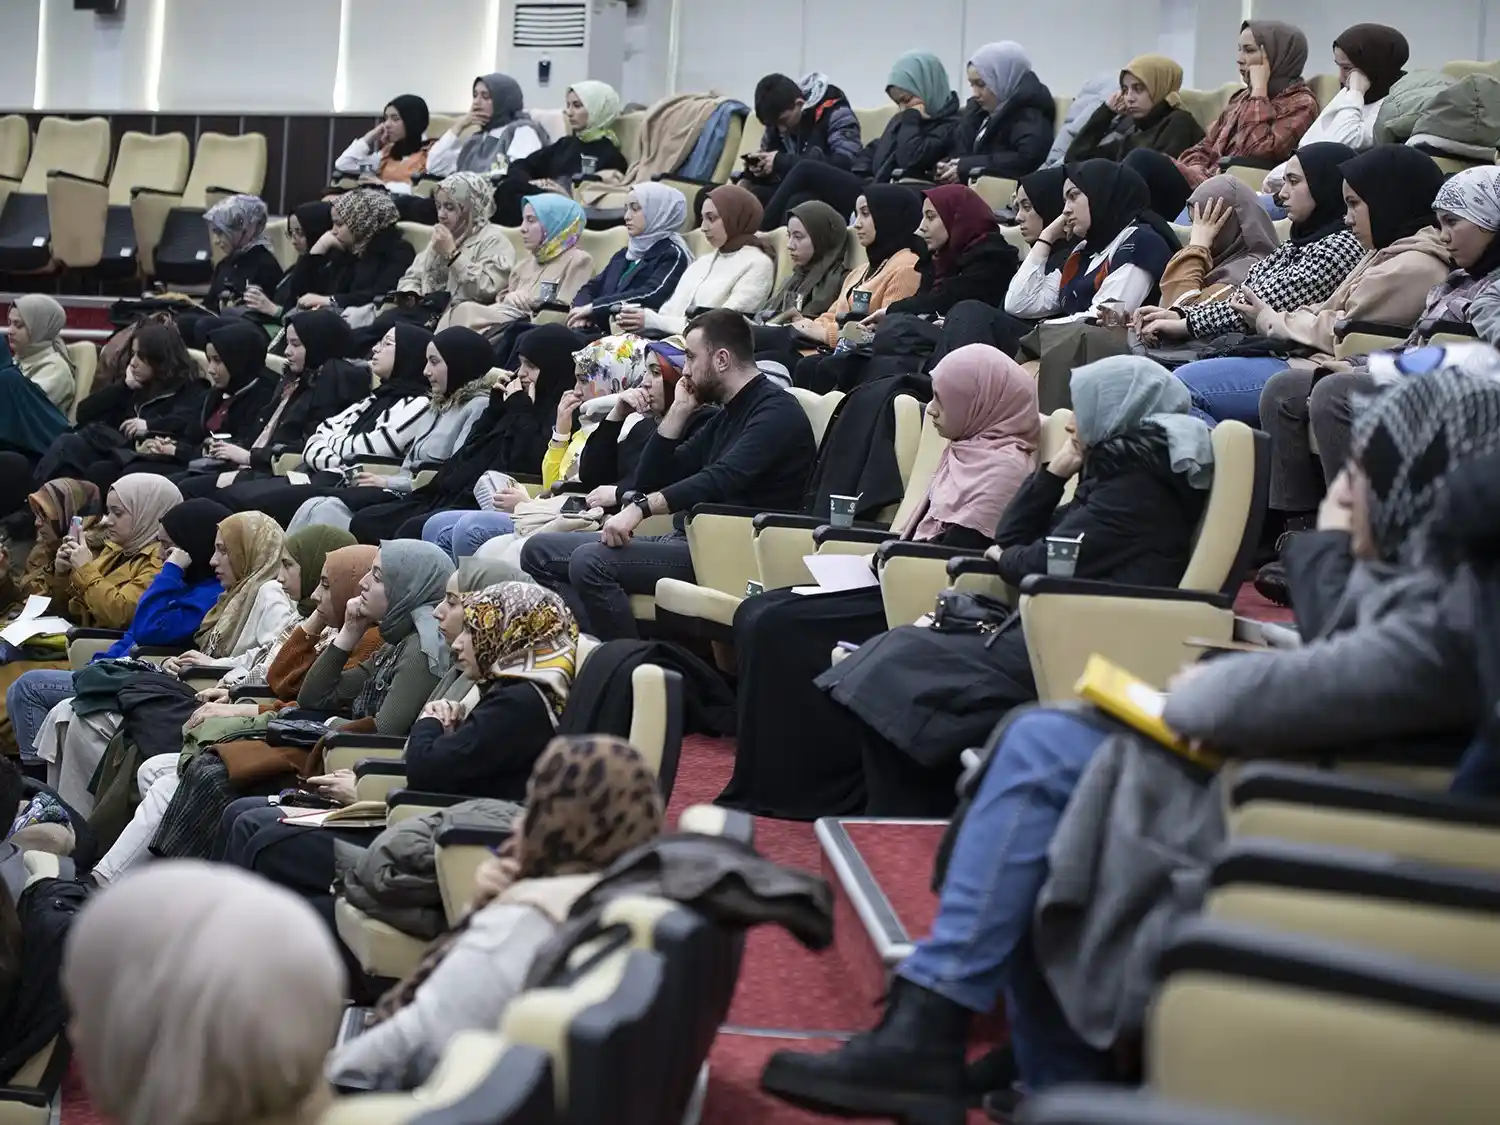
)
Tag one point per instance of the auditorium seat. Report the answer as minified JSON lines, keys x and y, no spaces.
{"x":91,"y":220}
{"x":1206,"y":105}
{"x":872,"y":122}
{"x":172,"y":240}
{"x":27,"y":1098}
{"x":997,"y":191}
{"x":15,"y":149}
{"x":85,"y":357}
{"x":80,"y":148}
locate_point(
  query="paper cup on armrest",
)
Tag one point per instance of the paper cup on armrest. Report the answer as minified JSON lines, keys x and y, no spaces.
{"x":1062,"y":555}
{"x":841,"y":510}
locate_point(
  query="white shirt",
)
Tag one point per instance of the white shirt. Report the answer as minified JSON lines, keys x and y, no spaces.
{"x":362,"y":159}
{"x":1036,"y":294}
{"x":1345,"y":120}
{"x":442,"y":157}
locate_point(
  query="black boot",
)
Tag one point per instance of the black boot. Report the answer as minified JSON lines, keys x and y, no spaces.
{"x":910,"y":1067}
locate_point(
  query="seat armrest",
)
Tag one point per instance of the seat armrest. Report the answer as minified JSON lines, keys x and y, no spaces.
{"x":138,"y":191}
{"x":827,"y":533}
{"x":1436,"y":326}
{"x":1274,"y":781}
{"x":398,"y":797}
{"x":250,"y":693}
{"x":87,"y":633}
{"x":467,"y":835}
{"x":662,"y":177}
{"x":157,"y":650}
{"x":742,"y":511}
{"x":58,"y":174}
{"x":1339,"y":871}
{"x":1265,"y":162}
{"x":23,"y":1095}
{"x":909,"y":550}
{"x":1344,"y":328}
{"x":340,"y":739}
{"x":380,"y":767}
{"x":764,"y":520}
{"x":1035,"y":584}
{"x":973,"y":564}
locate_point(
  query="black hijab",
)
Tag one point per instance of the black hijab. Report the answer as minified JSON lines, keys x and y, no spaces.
{"x":1117,"y":197}
{"x":1044,"y":189}
{"x":325,"y":334}
{"x":1320,"y":165}
{"x":315,"y":219}
{"x":413,"y":111}
{"x":193,"y":525}
{"x":1379,"y":53}
{"x":1398,"y":185}
{"x":897,"y":212}
{"x":242,"y":349}
{"x":550,"y":349}
{"x":467,"y":354}
{"x":1168,"y":187}
{"x":408,"y":377}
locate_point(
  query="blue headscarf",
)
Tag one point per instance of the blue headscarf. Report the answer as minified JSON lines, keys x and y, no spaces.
{"x":563,"y":221}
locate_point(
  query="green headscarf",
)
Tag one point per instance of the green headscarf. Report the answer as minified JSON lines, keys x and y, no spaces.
{"x":923,"y":74}
{"x":603,"y":104}
{"x":310,"y":548}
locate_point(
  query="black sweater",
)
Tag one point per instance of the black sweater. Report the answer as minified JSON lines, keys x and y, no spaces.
{"x":1017,"y":136}
{"x":166,"y":415}
{"x":358,"y":281}
{"x":1167,"y":129}
{"x":255,"y":266}
{"x":563,"y":159}
{"x":1136,"y":516}
{"x":756,"y":452}
{"x":469,"y":761}
{"x":983,"y":274}
{"x":606,"y":459}
{"x":336,"y":386}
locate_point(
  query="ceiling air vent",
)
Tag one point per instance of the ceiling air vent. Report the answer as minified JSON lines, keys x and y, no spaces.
{"x":549,"y":27}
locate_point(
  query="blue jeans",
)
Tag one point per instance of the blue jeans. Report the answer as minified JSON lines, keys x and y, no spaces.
{"x":28,"y":700}
{"x":463,"y":533}
{"x":1270,"y":206}
{"x":980,"y":945}
{"x":1229,"y":387}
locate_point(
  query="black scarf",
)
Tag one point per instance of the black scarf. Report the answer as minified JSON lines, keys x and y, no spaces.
{"x":1320,"y":165}
{"x":1398,"y":185}
{"x":407,"y":379}
{"x":1117,"y":197}
{"x":896,"y":211}
{"x":413,"y":111}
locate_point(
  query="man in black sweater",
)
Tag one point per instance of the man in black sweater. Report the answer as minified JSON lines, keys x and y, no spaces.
{"x":756,"y":452}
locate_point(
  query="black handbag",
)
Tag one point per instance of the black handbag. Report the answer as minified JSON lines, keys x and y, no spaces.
{"x":960,"y":611}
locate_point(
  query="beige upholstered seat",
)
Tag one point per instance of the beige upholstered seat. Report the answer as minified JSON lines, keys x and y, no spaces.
{"x":85,"y":357}
{"x":15,"y":149}
{"x":222,"y":166}
{"x":73,"y":148}
{"x":480,"y":1077}
{"x":81,"y":209}
{"x":1206,"y":105}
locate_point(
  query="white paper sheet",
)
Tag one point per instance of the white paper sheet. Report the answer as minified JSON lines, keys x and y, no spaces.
{"x":841,"y":572}
{"x":19,"y":632}
{"x":35,"y":606}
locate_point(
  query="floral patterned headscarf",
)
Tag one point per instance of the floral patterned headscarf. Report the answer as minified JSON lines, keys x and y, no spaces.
{"x":562,"y":219}
{"x":475,"y":198}
{"x":613,"y":364}
{"x":241,"y":219}
{"x":524,"y":632}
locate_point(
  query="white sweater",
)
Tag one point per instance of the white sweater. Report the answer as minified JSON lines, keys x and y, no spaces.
{"x":740,"y":281}
{"x":333,"y":445}
{"x":1345,"y":120}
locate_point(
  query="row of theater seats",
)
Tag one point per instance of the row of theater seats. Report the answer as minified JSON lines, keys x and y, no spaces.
{"x":62,"y":208}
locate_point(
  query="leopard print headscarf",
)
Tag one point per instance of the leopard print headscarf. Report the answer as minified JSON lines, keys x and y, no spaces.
{"x":590,"y":799}
{"x":522,"y":631}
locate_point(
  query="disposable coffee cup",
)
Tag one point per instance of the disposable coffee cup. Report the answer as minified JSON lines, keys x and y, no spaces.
{"x":1062,"y":555}
{"x":859,"y":302}
{"x":590,"y":165}
{"x":549,"y":291}
{"x":841,"y":510}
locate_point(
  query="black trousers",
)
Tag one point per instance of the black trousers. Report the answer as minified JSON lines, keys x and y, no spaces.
{"x":812,"y":179}
{"x":975,"y":322}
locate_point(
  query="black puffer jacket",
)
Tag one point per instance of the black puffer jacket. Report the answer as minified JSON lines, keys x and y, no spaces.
{"x":983,"y":274}
{"x":1017,"y":136}
{"x":911,"y":144}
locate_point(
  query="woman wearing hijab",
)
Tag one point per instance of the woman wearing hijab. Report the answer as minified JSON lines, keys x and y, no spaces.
{"x":181,"y":981}
{"x":647,"y":271}
{"x":318,"y":382}
{"x":1144,"y":465}
{"x":1007,"y":127}
{"x":788,"y":759}
{"x":967,"y":257}
{"x":1370,"y":58}
{"x":469,"y":257}
{"x":36,"y":324}
{"x":591,"y":109}
{"x":310,"y":273}
{"x":366,"y":251}
{"x":1119,"y":261}
{"x":569,"y":835}
{"x":457,"y":370}
{"x":1231,"y":232}
{"x":237,"y":226}
{"x":504,"y":131}
{"x":395,"y":151}
{"x":737,"y":275}
{"x":1264,"y":121}
{"x":817,"y":241}
{"x":1303,"y":271}
{"x":1145,"y":114}
{"x":54,"y":506}
{"x":1169,"y":190}
{"x":916,"y":140}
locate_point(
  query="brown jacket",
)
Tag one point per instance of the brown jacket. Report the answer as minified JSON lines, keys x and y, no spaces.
{"x":102,"y":592}
{"x":1183,"y":278}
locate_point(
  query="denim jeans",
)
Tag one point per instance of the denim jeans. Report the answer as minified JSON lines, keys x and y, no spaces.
{"x":980,"y":945}
{"x":1228,"y":387}
{"x":597,"y":580}
{"x":28,"y":700}
{"x":462,"y":533}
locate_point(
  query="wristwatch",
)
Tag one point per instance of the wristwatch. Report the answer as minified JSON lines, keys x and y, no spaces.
{"x":641,"y":500}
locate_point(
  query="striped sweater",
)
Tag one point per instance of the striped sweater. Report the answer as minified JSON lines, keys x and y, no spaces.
{"x":337,"y":442}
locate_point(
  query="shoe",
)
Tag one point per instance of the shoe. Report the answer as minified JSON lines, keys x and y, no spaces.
{"x":993,"y":1071}
{"x":1002,"y":1105}
{"x":1270,"y":583}
{"x":910,"y":1067}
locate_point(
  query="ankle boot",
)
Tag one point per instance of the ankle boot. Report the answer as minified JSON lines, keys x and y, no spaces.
{"x":910,"y":1067}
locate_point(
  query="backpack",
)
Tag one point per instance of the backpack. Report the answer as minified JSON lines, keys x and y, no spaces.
{"x":32,"y":1012}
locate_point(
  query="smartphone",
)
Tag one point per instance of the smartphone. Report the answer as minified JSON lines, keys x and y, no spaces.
{"x":75,"y":529}
{"x":575,"y":504}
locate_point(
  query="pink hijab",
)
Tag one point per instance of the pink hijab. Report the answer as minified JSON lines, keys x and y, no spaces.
{"x":990,"y":403}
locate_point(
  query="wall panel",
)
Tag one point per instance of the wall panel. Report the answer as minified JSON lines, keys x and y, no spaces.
{"x":269,"y":55}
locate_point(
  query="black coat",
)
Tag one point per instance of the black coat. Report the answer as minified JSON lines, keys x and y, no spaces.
{"x":353,"y":282}
{"x":1016,"y":139}
{"x":336,"y":386}
{"x":912,"y":145}
{"x":165,"y":415}
{"x":311,"y":273}
{"x":255,"y":266}
{"x":983,"y":274}
{"x":563,"y":159}
{"x":468,"y":760}
{"x":858,"y":454}
{"x":1167,"y":129}
{"x":511,"y":436}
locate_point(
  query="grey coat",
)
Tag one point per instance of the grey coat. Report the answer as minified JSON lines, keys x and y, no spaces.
{"x":450,"y":429}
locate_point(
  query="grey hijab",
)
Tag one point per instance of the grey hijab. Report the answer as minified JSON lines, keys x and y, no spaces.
{"x":1002,"y":65}
{"x":1115,"y":396}
{"x":475,"y":573}
{"x":415,"y":576}
{"x":483,"y":151}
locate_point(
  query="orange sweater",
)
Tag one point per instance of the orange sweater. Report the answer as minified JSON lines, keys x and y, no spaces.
{"x":296,"y":655}
{"x":895,"y":280}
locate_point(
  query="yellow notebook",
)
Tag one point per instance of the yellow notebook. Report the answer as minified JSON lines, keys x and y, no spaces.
{"x":1136,"y":704}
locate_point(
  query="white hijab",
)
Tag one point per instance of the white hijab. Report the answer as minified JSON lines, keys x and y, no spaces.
{"x":665,"y":208}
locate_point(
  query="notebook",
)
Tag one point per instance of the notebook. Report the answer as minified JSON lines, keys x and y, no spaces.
{"x":1137,"y":704}
{"x":361,"y":814}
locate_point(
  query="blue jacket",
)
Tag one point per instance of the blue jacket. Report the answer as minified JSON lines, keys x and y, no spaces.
{"x":649,"y":284}
{"x":169,"y":612}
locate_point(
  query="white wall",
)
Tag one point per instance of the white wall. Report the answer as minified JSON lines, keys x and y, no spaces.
{"x":269,"y":56}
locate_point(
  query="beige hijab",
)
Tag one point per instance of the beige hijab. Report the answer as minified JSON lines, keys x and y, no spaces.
{"x":202,"y":995}
{"x":145,"y":497}
{"x":255,"y":543}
